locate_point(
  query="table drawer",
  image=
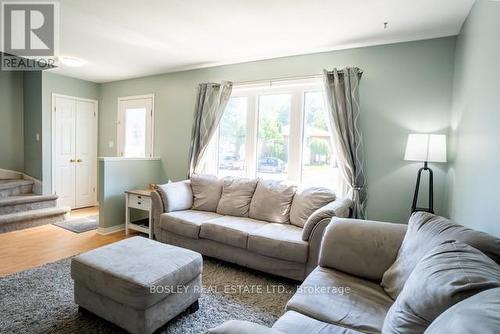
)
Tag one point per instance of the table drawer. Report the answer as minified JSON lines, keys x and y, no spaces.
{"x":139,"y":202}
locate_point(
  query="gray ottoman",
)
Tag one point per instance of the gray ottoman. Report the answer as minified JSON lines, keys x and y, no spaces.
{"x":138,"y":284}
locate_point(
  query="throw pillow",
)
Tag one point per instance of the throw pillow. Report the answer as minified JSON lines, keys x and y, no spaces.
{"x":236,"y":196}
{"x":445,"y":276}
{"x":426,"y":231}
{"x":207,"y":190}
{"x":176,"y":196}
{"x":308,"y":200}
{"x":271,"y":201}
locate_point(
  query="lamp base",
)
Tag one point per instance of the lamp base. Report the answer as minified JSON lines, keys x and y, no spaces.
{"x":414,"y":207}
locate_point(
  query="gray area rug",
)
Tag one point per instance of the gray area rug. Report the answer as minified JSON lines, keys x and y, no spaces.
{"x":79,"y":225}
{"x":40,"y":300}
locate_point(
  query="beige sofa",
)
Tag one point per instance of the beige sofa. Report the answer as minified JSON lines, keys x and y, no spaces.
{"x":266,"y":225}
{"x":434,"y":277}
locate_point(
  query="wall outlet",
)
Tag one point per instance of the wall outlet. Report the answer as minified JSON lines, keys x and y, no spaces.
{"x":111,"y":144}
{"x":37,"y":137}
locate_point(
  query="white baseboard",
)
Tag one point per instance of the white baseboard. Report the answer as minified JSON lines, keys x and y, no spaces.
{"x":111,"y":229}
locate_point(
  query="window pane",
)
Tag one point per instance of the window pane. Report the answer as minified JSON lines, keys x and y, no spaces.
{"x":273,"y":132}
{"x":135,"y":132}
{"x":319,"y":164}
{"x":232,"y":138}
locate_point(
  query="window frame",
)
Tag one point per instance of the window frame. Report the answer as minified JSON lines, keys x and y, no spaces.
{"x":297,"y":89}
{"x":120,"y":127}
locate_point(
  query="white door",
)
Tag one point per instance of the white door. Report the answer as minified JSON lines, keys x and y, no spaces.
{"x":64,"y":150}
{"x":135,"y":127}
{"x":86,"y":155}
{"x":75,"y":151}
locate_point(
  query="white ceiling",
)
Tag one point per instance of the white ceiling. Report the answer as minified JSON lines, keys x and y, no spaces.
{"x":121,"y":39}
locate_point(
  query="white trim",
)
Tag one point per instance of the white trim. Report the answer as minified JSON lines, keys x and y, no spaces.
{"x":136,"y":97}
{"x":119,"y":121}
{"x":125,"y":158}
{"x":53,"y":136}
{"x":111,"y":229}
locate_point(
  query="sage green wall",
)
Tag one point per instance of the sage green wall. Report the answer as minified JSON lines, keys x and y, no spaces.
{"x":117,"y":176}
{"x":11,"y":125}
{"x":406,"y":87}
{"x":475,"y":159}
{"x":32,"y":86}
{"x":53,"y":83}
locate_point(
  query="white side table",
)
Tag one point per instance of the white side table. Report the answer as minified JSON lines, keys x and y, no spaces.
{"x":138,"y":199}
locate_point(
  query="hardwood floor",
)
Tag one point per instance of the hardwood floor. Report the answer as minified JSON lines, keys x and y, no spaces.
{"x":33,"y":247}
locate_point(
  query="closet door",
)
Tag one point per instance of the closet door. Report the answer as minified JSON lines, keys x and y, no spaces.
{"x":85,"y":154}
{"x":64,"y":151}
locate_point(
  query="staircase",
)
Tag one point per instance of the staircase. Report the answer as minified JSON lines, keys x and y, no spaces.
{"x":20,"y":208}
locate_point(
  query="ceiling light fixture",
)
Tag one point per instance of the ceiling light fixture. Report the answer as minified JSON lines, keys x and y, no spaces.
{"x":71,"y":61}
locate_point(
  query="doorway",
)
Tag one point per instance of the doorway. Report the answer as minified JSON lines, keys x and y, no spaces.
{"x":74,"y":151}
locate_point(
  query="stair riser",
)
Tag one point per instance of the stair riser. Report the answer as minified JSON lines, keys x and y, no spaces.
{"x":16,"y":190}
{"x":27,"y":207}
{"x":20,"y":225}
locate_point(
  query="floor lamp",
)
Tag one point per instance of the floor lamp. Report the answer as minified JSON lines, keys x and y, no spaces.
{"x":425,"y":148}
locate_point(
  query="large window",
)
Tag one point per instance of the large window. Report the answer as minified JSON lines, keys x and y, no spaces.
{"x":279,"y":132}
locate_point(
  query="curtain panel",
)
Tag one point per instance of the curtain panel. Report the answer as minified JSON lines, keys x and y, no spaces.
{"x":211,"y":101}
{"x":343,"y":106}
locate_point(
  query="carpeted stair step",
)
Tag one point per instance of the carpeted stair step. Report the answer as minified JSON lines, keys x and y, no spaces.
{"x":26,"y":202}
{"x":25,"y":219}
{"x":12,"y":187}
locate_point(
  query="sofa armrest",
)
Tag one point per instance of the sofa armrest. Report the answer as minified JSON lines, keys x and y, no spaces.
{"x":242,"y":327}
{"x":360,"y":247}
{"x":315,"y":244}
{"x":156,"y":210}
{"x":338,"y":208}
{"x":176,"y":196}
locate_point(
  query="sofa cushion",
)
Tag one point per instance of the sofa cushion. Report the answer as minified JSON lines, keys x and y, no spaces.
{"x":176,"y":196}
{"x":125,"y":270}
{"x":477,"y":314}
{"x":271,"y":201}
{"x":207,"y":190}
{"x":230,"y":230}
{"x":341,"y":299}
{"x":425,"y":232}
{"x":296,"y":323}
{"x":308,"y":200}
{"x":445,"y":276}
{"x":237,"y":193}
{"x":186,"y":223}
{"x":281,"y":241}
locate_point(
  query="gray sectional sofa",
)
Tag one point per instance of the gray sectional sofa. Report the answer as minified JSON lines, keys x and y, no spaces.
{"x":266,"y":225}
{"x":429,"y":276}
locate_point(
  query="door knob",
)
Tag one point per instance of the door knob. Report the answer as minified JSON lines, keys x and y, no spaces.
{"x":78,"y":160}
{"x":72,"y":160}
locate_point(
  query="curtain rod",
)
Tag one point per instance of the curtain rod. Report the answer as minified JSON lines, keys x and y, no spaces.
{"x":253,"y":82}
{"x":250,"y":82}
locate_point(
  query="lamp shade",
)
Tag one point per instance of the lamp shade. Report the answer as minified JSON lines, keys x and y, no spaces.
{"x":426,"y":147}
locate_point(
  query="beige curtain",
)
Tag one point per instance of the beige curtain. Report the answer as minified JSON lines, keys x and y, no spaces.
{"x":211,"y":101}
{"x":342,"y":100}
